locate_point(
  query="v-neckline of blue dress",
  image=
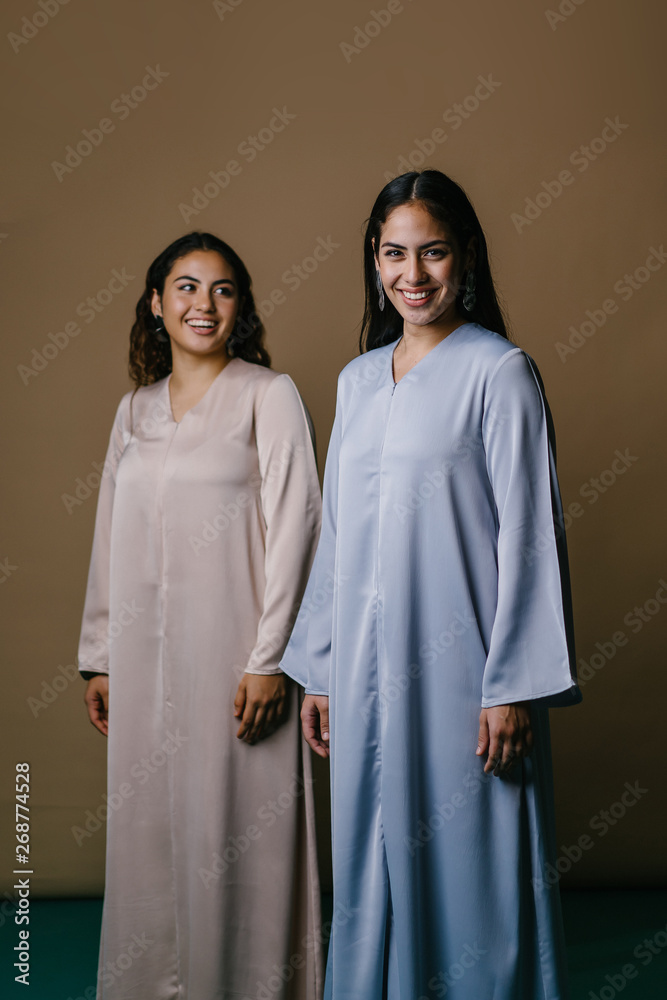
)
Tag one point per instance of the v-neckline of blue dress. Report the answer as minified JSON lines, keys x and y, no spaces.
{"x":393,"y":347}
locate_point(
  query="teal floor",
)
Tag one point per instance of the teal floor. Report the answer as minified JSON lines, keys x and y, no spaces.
{"x":606,"y":931}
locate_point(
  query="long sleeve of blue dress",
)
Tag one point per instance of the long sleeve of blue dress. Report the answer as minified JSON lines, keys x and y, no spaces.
{"x":308,"y":658}
{"x":531,"y":655}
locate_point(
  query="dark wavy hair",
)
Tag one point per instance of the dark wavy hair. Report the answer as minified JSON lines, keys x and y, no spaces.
{"x":150,"y":350}
{"x":448,"y":203}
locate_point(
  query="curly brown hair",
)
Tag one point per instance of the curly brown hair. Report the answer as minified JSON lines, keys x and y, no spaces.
{"x":150,"y":347}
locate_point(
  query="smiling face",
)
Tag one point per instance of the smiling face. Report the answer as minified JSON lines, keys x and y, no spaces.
{"x":421,"y":267}
{"x":199,"y":303}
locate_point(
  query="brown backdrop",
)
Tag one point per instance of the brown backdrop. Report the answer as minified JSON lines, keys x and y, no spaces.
{"x":504,"y":96}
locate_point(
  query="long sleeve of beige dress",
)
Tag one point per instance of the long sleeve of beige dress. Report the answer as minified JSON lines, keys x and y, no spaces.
{"x":204,"y":538}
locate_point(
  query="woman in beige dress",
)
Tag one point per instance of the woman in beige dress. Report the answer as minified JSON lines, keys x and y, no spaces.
{"x":207,"y":521}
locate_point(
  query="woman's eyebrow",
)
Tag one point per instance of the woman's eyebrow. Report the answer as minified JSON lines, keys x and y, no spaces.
{"x":188,"y":277}
{"x":424,"y":246}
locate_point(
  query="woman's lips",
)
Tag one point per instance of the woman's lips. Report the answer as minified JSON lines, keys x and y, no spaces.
{"x":424,"y":295}
{"x":202,"y":327}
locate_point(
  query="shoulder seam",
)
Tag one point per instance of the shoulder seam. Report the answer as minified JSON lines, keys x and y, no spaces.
{"x":277,"y":378}
{"x":508,"y":354}
{"x":295,"y":390}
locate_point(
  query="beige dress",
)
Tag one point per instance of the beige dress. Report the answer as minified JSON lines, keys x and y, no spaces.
{"x":204,"y":538}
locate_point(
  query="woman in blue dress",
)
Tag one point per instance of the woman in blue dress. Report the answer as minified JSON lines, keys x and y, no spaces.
{"x":435,"y":631}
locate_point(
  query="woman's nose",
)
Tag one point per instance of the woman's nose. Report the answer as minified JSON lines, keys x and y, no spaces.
{"x":205,"y":303}
{"x":414,"y":272}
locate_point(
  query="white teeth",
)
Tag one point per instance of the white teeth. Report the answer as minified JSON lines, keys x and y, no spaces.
{"x":417,"y":295}
{"x":204,"y":323}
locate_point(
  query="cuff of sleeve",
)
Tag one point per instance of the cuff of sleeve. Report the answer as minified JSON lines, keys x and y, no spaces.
{"x":87,"y":674}
{"x":269,"y":672}
{"x":556,"y":698}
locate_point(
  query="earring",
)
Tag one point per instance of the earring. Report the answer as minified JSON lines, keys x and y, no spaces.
{"x":159,"y":331}
{"x":380,"y":288}
{"x":469,"y":298}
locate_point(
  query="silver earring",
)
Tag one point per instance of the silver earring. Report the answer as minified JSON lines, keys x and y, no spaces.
{"x":380,"y":288}
{"x":470,"y":298}
{"x":159,"y":331}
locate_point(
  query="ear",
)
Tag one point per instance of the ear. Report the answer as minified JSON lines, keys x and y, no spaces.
{"x":156,"y":305}
{"x":375,"y":251}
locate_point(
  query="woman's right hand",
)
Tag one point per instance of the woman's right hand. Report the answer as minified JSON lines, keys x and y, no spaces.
{"x":315,"y":723}
{"x":97,"y":702}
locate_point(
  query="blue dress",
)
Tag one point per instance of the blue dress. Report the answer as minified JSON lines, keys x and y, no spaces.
{"x":440,"y":585}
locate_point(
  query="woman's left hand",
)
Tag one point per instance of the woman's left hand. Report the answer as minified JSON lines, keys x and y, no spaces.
{"x":506,"y":733}
{"x":260,"y":704}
